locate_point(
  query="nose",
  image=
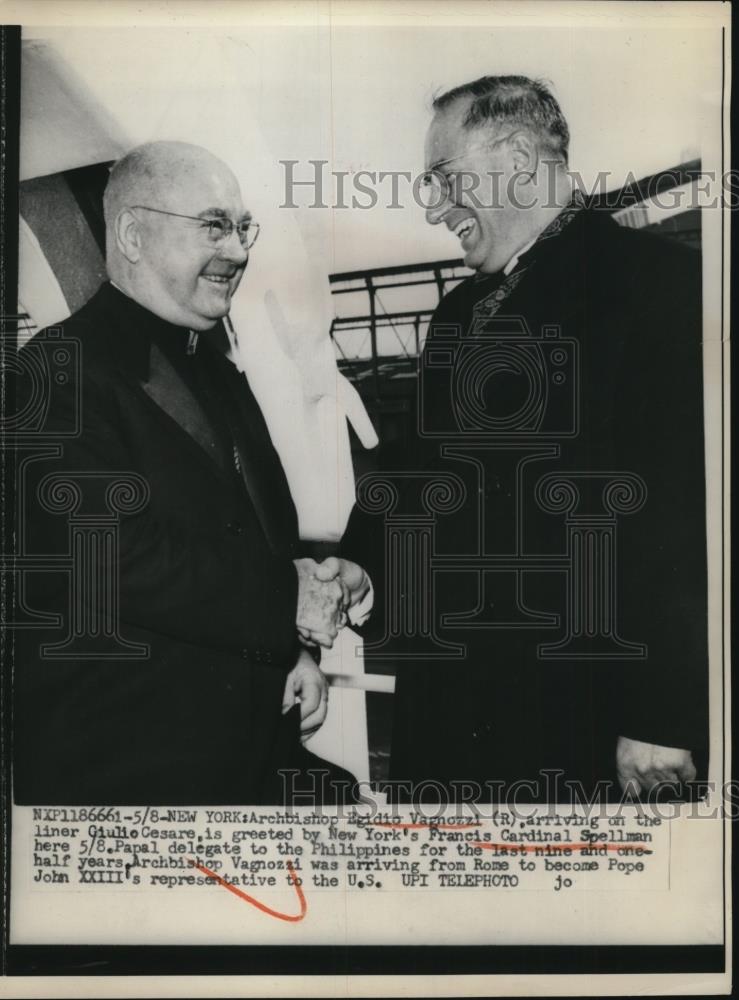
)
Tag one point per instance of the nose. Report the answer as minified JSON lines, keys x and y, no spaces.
{"x":232,"y":250}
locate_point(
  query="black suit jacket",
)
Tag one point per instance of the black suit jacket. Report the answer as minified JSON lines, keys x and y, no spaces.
{"x":204,"y":579}
{"x":627,"y":306}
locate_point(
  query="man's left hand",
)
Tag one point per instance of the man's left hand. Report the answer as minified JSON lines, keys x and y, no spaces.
{"x":642,"y":766}
{"x":306,"y":683}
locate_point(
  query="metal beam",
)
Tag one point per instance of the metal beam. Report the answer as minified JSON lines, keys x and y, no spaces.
{"x":373,"y":335}
{"x":379,"y":272}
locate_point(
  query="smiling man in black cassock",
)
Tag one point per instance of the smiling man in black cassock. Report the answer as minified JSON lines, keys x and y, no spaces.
{"x":180,"y":678}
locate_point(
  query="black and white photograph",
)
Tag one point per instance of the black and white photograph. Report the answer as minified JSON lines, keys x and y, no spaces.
{"x":364,"y":425}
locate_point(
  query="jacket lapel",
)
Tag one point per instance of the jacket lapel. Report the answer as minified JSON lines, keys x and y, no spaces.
{"x":132,"y":342}
{"x":165,"y":388}
{"x":257,"y":458}
{"x":253,"y":477}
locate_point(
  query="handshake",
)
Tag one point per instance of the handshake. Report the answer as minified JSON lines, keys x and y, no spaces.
{"x":326,"y":592}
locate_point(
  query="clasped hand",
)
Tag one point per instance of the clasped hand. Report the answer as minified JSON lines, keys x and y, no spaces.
{"x":326,"y":592}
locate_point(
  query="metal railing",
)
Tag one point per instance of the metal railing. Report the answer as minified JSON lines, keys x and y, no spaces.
{"x":368,"y":360}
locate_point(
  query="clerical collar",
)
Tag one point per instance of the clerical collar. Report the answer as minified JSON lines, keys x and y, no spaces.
{"x":222,"y":338}
{"x":519,"y":253}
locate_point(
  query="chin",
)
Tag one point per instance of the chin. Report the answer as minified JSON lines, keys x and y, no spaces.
{"x":206,"y":316}
{"x":475,"y":257}
{"x":203,"y":323}
{"x":213,"y":311}
{"x":489,"y":265}
{"x":485,"y":260}
{"x":474,"y":260}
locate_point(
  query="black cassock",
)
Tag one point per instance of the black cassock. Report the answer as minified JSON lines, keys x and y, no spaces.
{"x":171,"y":690}
{"x":566,"y":398}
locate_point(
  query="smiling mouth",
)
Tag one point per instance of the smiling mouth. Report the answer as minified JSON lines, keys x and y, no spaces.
{"x":217,"y":279}
{"x":464,"y":228}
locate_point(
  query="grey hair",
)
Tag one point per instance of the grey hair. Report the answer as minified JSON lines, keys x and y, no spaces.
{"x":513,"y":100}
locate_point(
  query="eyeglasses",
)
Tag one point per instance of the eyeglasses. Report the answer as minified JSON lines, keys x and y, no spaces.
{"x":436,"y":186}
{"x":218,"y":230}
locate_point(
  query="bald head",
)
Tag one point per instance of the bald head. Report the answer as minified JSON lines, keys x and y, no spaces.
{"x":159,"y":248}
{"x":152,"y":173}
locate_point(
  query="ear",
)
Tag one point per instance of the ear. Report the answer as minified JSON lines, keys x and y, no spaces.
{"x":524,"y":152}
{"x":128,"y":235}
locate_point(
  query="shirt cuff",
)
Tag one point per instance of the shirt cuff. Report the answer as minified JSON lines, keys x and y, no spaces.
{"x":361,"y":611}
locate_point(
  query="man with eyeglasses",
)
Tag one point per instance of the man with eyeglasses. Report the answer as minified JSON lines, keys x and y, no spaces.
{"x":209,"y":685}
{"x":571,"y":356}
